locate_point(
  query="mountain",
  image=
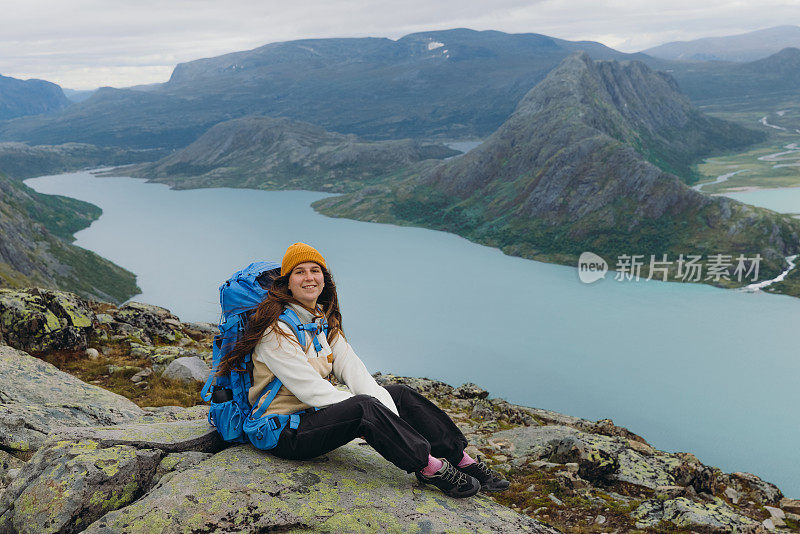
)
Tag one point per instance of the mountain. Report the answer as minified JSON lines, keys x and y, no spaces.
{"x":580,"y":166}
{"x":35,"y":235}
{"x":23,"y":161}
{"x":451,"y":84}
{"x":278,"y":153}
{"x":29,"y":97}
{"x":776,"y":77}
{"x":742,"y":47}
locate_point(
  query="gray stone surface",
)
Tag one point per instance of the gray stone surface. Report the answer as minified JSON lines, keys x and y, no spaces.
{"x":173,"y":436}
{"x":67,"y":485}
{"x":42,"y":319}
{"x":157,"y":323}
{"x":351,"y":489}
{"x":187,"y":369}
{"x":715,"y":516}
{"x":36,"y":398}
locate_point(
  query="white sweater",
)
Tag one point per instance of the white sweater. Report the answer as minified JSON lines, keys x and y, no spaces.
{"x":286,"y":360}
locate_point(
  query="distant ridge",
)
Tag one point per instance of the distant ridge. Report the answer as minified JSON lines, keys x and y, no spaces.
{"x":740,"y":48}
{"x":29,"y":97}
{"x":278,"y":153}
{"x":576,"y":168}
{"x":450,"y":84}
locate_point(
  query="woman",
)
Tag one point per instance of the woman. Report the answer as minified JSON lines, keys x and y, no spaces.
{"x":399,"y":423}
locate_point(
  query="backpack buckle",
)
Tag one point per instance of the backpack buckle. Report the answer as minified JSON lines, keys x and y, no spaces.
{"x":273,"y":423}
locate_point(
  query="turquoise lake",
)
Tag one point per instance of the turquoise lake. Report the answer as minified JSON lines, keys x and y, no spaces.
{"x":689,"y":367}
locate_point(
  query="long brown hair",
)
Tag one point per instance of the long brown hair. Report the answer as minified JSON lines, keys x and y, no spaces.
{"x":266,"y":314}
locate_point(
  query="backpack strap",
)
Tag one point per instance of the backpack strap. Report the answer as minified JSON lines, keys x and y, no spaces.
{"x":270,"y":391}
{"x":290,"y":317}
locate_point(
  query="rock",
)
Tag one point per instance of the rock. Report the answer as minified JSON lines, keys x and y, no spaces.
{"x":732,"y":494}
{"x":649,"y":471}
{"x":43,"y":320}
{"x":141,"y":375}
{"x":36,"y":398}
{"x":692,"y":473}
{"x":173,"y":436}
{"x":606,"y":427}
{"x":670,"y":491}
{"x":167,"y":414}
{"x":593,"y":464}
{"x":203,"y":329}
{"x":175,"y":462}
{"x":777,"y":515}
{"x":68,"y":485}
{"x":769,"y":524}
{"x":165,"y":355}
{"x":103,"y":318}
{"x":111,"y":369}
{"x":599,"y":520}
{"x":8,"y":463}
{"x":555,"y":499}
{"x":790,"y":505}
{"x":761,"y":491}
{"x":793,"y":517}
{"x":470,"y":391}
{"x":775,"y":512}
{"x":187,"y":369}
{"x":684,"y":513}
{"x":92,"y":354}
{"x":351,"y":489}
{"x":157,"y":323}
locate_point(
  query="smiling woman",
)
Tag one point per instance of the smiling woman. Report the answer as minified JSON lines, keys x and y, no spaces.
{"x":298,"y":414}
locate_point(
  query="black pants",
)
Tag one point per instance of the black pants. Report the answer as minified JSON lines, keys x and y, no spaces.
{"x":406,"y":441}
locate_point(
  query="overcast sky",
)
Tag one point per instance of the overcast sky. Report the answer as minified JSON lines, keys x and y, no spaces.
{"x":84,"y":44}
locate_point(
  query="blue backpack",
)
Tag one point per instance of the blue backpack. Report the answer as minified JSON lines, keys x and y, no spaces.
{"x":230,"y":411}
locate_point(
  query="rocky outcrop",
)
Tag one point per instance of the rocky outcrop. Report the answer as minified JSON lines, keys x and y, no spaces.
{"x":36,"y":399}
{"x":44,"y":320}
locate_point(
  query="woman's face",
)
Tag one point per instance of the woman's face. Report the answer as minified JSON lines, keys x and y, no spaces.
{"x":306,"y":283}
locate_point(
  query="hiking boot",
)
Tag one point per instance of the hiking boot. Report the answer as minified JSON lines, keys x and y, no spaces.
{"x":451,"y":481}
{"x":489,"y":479}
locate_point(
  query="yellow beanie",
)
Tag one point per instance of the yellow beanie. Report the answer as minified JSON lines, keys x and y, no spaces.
{"x":300,"y":253}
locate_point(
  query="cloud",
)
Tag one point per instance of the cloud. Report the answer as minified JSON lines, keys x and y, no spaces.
{"x":88,"y":43}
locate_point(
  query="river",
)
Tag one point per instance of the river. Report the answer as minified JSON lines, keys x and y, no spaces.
{"x":689,"y":367}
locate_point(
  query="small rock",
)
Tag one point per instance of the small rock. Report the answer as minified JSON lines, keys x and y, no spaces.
{"x":531,"y":489}
{"x":572,"y":467}
{"x":141,"y":375}
{"x":541,"y":464}
{"x":103,"y":318}
{"x":670,"y":491}
{"x":732,"y":494}
{"x":555,"y":499}
{"x":187,"y":369}
{"x":790,"y":505}
{"x":92,"y":353}
{"x":123,"y":369}
{"x":768,"y":524}
{"x":793,"y":517}
{"x":775,"y":512}
{"x":600,"y":519}
{"x":470,"y":391}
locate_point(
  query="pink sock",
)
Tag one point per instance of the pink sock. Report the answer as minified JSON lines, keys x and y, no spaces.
{"x":434,"y":464}
{"x":466,"y":460}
